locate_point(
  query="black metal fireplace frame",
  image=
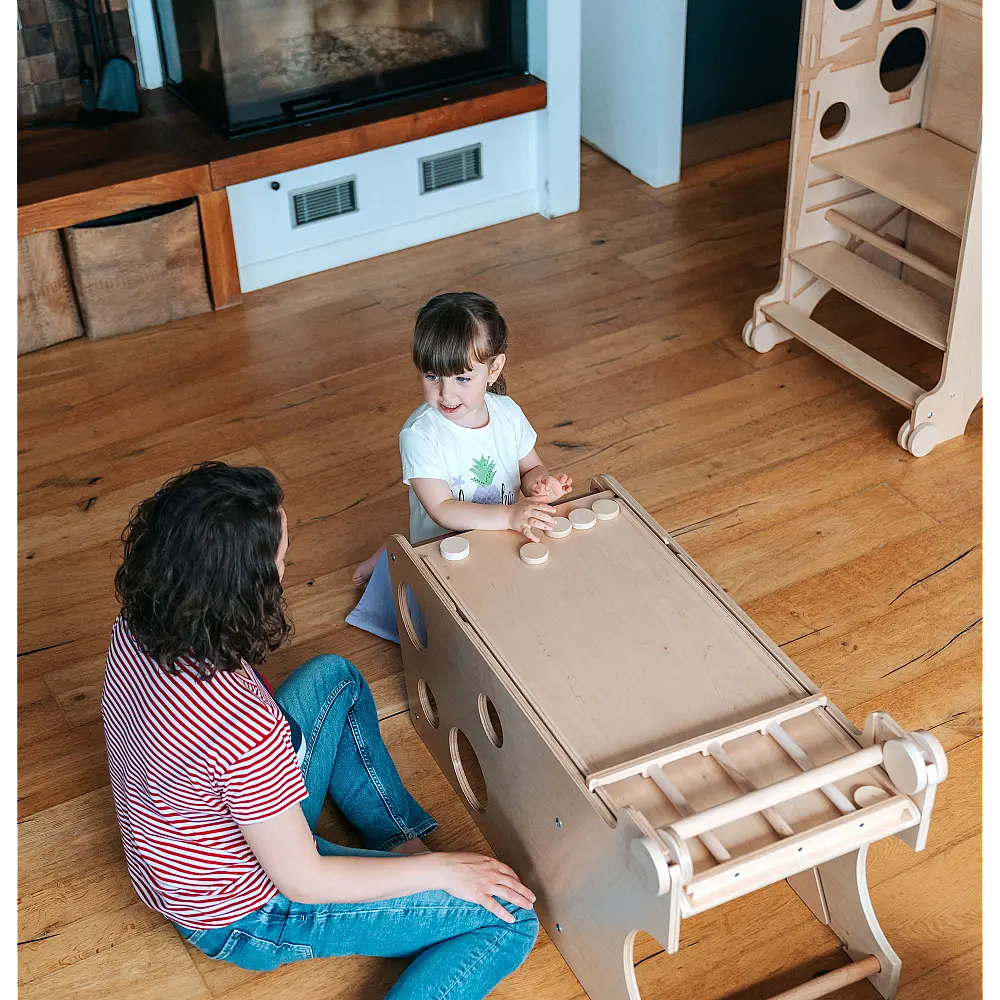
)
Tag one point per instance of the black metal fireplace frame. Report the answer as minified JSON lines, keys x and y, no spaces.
{"x":506,"y":56}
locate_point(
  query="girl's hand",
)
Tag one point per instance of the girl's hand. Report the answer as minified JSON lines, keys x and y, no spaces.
{"x":528,"y":515}
{"x":477,"y":879}
{"x":552,"y":487}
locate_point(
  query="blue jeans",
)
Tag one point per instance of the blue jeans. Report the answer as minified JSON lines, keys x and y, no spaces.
{"x":459,"y":949}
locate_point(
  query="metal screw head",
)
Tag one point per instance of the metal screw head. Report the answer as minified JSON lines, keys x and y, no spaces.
{"x":559,"y":928}
{"x":275,"y":185}
{"x":416,"y":715}
{"x":392,"y":556}
{"x":558,"y":822}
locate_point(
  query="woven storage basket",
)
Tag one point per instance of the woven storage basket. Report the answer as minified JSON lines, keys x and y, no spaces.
{"x":138,"y":269}
{"x":46,"y":308}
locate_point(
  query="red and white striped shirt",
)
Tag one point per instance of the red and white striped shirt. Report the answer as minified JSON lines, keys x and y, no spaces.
{"x":190,"y":760}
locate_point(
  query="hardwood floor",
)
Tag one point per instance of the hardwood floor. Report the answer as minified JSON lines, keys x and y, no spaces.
{"x":779,"y":472}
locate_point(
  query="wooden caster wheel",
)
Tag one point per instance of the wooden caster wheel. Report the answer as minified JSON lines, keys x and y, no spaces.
{"x":903,"y":434}
{"x":922,"y":439}
{"x":762,"y":338}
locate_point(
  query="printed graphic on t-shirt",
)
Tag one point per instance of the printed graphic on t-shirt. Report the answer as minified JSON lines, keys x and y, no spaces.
{"x":484,"y":471}
{"x":480,"y":464}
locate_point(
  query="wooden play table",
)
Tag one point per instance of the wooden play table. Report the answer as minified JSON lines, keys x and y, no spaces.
{"x":639,"y":751}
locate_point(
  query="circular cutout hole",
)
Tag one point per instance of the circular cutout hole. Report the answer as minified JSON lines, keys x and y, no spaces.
{"x":411,"y":616}
{"x":491,"y":721}
{"x":847,"y":4}
{"x":901,"y":4}
{"x":834,"y":120}
{"x":428,"y":703}
{"x":468,"y":770}
{"x":902,"y":60}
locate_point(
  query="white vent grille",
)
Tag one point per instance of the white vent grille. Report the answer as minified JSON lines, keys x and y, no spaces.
{"x":447,"y":169}
{"x":324,"y":202}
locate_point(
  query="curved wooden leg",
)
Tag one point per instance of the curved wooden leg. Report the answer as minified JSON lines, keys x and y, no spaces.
{"x":845,"y":887}
{"x":945,"y":410}
{"x":628,"y":959}
{"x":762,"y":334}
{"x":612,"y":979}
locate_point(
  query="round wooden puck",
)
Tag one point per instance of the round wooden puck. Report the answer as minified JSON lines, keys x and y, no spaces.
{"x":454,"y":548}
{"x":606,"y":510}
{"x":534,"y":553}
{"x":561,"y":528}
{"x":582,"y":518}
{"x":868,"y":795}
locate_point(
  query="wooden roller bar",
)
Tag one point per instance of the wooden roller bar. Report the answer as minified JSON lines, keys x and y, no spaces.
{"x":832,"y":792}
{"x":826,"y":984}
{"x":780,"y":791}
{"x":775,"y":820}
{"x":681,"y":804}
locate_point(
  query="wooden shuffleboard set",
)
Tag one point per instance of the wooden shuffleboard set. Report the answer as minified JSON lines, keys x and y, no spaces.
{"x":647,"y":753}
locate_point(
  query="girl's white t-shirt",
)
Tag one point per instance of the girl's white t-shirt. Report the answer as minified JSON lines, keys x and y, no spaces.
{"x":479,"y":464}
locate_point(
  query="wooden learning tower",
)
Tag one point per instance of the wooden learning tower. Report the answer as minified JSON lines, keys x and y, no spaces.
{"x":884,"y":198}
{"x":639,"y":750}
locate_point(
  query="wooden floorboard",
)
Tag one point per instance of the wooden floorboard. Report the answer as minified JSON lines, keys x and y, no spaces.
{"x":778,"y":472}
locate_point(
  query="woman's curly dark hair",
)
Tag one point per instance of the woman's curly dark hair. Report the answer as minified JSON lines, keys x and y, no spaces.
{"x":199,"y":576}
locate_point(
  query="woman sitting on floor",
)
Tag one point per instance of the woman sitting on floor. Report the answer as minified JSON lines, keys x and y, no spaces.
{"x":218,"y":784}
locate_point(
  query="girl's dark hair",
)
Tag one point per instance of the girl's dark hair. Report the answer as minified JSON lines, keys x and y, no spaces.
{"x":456,"y":328}
{"x":199,"y":578}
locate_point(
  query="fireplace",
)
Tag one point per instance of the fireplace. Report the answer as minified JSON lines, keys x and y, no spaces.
{"x":251,"y":65}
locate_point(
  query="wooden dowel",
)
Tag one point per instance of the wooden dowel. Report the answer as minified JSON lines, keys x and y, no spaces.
{"x":676,"y":797}
{"x":776,"y":821}
{"x":824,"y":985}
{"x":780,"y":791}
{"x":640,"y":765}
{"x":832,"y":792}
{"x":901,"y":254}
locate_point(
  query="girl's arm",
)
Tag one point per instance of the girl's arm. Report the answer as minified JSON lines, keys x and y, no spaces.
{"x":285,"y":848}
{"x":528,"y":516}
{"x":538,"y":482}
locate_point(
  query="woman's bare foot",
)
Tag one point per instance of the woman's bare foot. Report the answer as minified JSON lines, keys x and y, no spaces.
{"x":415,"y":846}
{"x":364,"y":571}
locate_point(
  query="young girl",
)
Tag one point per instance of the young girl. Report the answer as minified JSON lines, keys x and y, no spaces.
{"x":218,"y":783}
{"x":467,"y":451}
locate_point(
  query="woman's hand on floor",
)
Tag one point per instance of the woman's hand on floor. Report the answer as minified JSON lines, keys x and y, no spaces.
{"x":477,"y":879}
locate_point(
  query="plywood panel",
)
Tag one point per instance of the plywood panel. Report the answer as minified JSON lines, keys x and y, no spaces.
{"x":954,"y":102}
{"x":564,"y":657}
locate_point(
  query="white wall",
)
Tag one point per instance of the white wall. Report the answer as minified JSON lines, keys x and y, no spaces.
{"x":554,"y":56}
{"x":392,"y":213}
{"x":632,"y":84}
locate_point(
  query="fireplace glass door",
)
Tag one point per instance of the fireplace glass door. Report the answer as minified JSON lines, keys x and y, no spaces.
{"x":249,"y":65}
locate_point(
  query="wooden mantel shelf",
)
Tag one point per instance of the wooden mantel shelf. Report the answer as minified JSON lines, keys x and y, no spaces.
{"x":291,"y":149}
{"x":66,"y":175}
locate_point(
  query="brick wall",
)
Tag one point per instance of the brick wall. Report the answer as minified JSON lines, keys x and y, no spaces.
{"x":48,"y":67}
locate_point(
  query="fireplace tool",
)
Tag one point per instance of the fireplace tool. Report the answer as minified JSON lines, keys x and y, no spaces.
{"x":117,"y":97}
